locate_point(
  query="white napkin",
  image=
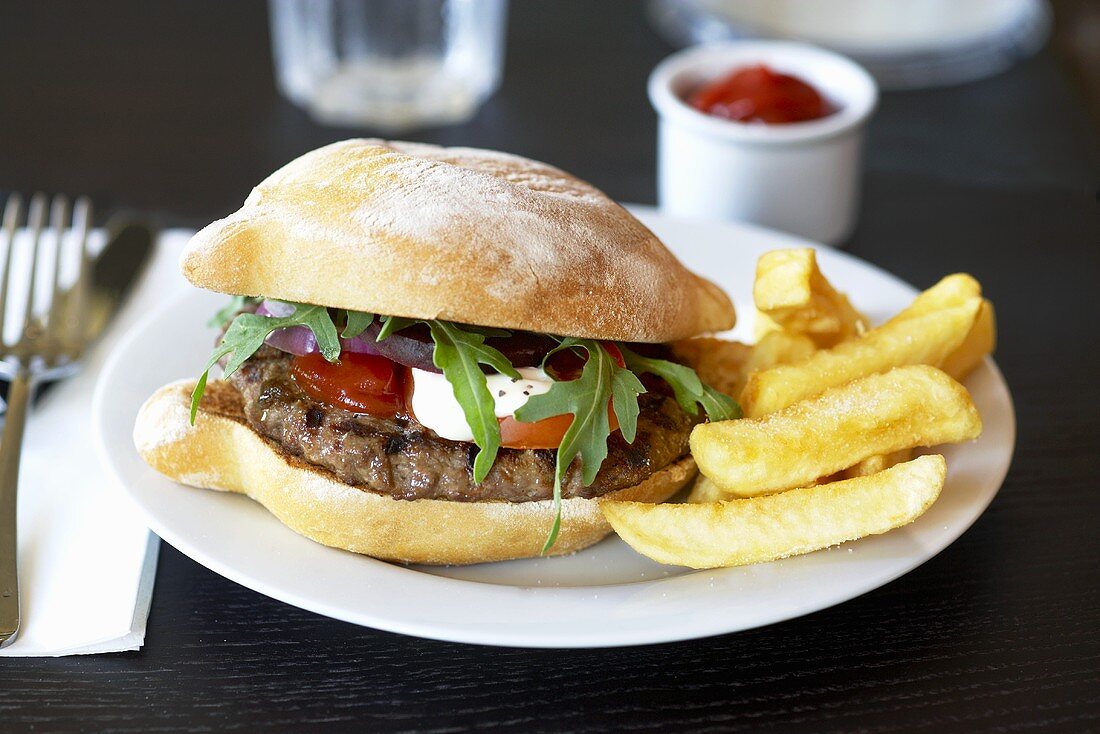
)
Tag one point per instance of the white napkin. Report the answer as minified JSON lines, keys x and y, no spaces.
{"x":86,"y":559}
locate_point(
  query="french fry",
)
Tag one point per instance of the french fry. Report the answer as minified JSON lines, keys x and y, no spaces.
{"x":761,"y":529}
{"x":912,"y":340}
{"x":725,"y":365}
{"x":792,"y":295}
{"x":718,"y":362}
{"x":981,"y":341}
{"x":776,"y":348}
{"x":704,"y":490}
{"x":875,"y":464}
{"x":879,"y":414}
{"x":762,"y":325}
{"x":952,"y":290}
{"x":730,"y":372}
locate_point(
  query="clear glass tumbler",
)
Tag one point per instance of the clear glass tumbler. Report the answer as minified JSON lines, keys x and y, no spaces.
{"x":390,"y":64}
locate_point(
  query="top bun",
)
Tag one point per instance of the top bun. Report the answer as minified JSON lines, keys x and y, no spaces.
{"x":460,"y":234}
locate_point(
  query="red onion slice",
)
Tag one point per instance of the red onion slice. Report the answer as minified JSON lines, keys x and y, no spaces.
{"x":358,"y":345}
{"x":300,"y":340}
{"x":297,"y":340}
{"x":412,"y":346}
{"x":269,"y":307}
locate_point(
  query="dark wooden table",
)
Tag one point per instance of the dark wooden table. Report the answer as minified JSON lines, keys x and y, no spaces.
{"x":171,"y":107}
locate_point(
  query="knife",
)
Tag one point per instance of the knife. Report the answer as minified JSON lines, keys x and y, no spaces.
{"x":118,"y":267}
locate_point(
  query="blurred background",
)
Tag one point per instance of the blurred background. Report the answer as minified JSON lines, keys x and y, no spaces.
{"x":175,"y":107}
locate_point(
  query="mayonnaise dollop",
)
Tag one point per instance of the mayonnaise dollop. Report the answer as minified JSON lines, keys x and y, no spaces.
{"x":434,"y":404}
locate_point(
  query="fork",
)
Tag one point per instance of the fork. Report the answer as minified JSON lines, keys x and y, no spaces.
{"x":47,"y":346}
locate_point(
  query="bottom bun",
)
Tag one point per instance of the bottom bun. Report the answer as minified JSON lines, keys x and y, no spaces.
{"x":222,"y":452}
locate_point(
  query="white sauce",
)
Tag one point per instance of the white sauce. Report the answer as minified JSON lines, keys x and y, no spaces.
{"x":434,"y":404}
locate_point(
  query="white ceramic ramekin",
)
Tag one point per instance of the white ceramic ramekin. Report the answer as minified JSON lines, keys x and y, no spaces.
{"x":801,"y":177}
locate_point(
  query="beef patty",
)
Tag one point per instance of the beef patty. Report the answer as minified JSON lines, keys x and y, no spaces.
{"x":402,"y":458}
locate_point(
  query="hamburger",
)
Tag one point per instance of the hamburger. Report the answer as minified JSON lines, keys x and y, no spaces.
{"x":438,"y":355}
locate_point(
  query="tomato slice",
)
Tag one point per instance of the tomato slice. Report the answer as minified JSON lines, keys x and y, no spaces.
{"x":544,"y":434}
{"x":616,"y":354}
{"x":360,"y":383}
{"x":548,"y":433}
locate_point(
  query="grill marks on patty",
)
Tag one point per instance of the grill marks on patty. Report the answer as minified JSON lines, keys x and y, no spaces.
{"x":402,"y":458}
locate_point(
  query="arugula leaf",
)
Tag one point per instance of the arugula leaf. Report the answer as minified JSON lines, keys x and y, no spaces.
{"x":625,"y":389}
{"x":246,"y":335}
{"x":459,"y":353}
{"x":196,"y":394}
{"x":689,"y":390}
{"x":719,"y":406}
{"x":229,"y":310}
{"x":390,"y":324}
{"x":685,"y":384}
{"x":487,"y":331}
{"x":357,"y":323}
{"x":586,"y":398}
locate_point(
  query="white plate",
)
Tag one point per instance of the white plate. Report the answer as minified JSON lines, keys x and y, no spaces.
{"x":606,"y":595}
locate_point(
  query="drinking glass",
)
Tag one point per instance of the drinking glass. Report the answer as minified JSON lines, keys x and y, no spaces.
{"x":389,"y":64}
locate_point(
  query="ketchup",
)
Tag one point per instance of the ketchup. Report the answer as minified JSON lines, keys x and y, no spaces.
{"x":760,"y":94}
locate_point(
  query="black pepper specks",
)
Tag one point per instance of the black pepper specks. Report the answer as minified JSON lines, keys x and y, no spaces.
{"x":395,"y":444}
